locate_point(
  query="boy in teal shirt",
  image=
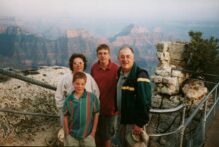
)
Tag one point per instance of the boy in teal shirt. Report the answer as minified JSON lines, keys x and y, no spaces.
{"x":81,"y":113}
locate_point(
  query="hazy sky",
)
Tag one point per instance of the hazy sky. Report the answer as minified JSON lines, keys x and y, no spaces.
{"x":134,"y":9}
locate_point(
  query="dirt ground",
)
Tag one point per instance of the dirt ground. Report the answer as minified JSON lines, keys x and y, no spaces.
{"x":28,"y":130}
{"x":38,"y":139}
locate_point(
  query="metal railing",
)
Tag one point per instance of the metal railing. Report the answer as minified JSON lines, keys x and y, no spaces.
{"x":171,"y":110}
{"x":28,"y":113}
{"x":181,"y":129}
{"x":29,"y":80}
{"x":26,"y":79}
{"x":185,"y":122}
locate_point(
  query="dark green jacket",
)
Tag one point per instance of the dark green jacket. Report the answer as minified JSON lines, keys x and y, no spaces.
{"x":136,"y":97}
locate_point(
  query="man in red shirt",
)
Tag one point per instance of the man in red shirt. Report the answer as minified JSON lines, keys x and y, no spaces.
{"x":104,"y":72}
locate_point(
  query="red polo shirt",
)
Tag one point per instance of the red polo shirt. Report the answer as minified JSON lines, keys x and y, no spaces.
{"x":106,"y":80}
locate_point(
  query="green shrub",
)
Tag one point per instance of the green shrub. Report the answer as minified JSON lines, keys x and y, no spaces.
{"x":202,"y":56}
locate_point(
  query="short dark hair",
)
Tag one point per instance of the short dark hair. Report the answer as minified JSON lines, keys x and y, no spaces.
{"x":103,"y":46}
{"x":77,"y":55}
{"x":79,"y":75}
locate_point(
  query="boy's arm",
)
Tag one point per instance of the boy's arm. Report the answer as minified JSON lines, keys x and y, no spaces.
{"x":66,"y":125}
{"x":65,"y":121}
{"x":96,"y":118}
{"x":96,"y":115}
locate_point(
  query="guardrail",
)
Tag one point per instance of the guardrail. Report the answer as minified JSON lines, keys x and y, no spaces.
{"x":28,"y":113}
{"x":26,"y":79}
{"x":186,"y":121}
{"x":29,"y":80}
{"x":181,"y":129}
{"x":171,"y":110}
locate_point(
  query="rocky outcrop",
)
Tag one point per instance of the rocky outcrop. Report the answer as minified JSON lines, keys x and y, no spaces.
{"x":171,"y":81}
{"x":173,"y":87}
{"x":18,"y":129}
{"x":73,"y":33}
{"x":167,"y":79}
{"x":194,"y":91}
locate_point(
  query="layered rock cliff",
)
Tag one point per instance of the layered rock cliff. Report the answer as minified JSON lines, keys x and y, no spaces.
{"x":22,"y":49}
{"x":142,"y":40}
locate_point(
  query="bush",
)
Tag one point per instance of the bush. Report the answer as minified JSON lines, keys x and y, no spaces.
{"x":202,"y":56}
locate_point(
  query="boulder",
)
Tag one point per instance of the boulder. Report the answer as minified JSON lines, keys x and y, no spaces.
{"x":194,"y":90}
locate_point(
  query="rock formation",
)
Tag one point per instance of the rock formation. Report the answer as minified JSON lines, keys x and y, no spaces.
{"x":18,"y":129}
{"x":173,"y":87}
{"x":22,"y":49}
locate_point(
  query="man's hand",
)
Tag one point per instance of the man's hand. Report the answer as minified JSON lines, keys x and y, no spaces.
{"x":137,"y":130}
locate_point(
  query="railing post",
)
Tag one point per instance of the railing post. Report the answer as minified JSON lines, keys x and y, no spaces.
{"x":215,"y":99}
{"x":216,"y":93}
{"x":183,"y":127}
{"x":204,"y":120}
{"x":26,"y":79}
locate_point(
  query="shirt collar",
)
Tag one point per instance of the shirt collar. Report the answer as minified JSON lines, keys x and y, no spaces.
{"x":108,"y":66}
{"x":83,"y":95}
{"x":124,"y":75}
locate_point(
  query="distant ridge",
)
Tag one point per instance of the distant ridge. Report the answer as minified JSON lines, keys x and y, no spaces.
{"x":22,"y":49}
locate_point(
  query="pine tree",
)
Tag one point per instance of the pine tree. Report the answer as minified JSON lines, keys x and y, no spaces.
{"x":202,"y":55}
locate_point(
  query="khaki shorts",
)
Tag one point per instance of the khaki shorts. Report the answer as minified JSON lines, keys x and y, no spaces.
{"x":89,"y":141}
{"x":107,"y":127}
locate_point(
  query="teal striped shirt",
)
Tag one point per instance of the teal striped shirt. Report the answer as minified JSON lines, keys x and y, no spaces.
{"x":81,"y":113}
